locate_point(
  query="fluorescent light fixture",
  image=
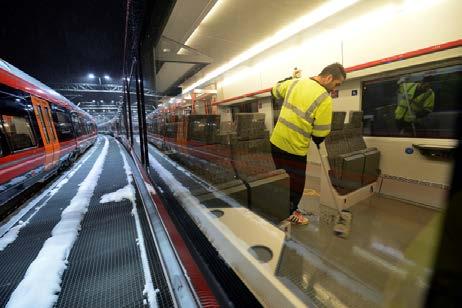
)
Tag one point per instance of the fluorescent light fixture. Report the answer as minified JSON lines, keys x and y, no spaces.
{"x":91,"y":76}
{"x":206,"y":19}
{"x":324,"y":11}
{"x":107,"y":77}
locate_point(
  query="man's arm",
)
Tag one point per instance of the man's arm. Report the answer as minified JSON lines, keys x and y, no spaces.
{"x":322,"y":121}
{"x":280,"y":89}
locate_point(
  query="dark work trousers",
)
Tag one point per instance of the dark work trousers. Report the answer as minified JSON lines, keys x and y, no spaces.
{"x":295,"y":166}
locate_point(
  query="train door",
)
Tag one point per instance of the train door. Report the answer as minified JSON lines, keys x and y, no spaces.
{"x":51,"y":126}
{"x":47,"y":131}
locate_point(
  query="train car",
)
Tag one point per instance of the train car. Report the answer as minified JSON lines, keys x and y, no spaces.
{"x":368,"y":104}
{"x":393,"y":173}
{"x":40,"y":131}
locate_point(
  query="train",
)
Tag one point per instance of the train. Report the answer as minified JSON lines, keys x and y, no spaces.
{"x":41,"y":132}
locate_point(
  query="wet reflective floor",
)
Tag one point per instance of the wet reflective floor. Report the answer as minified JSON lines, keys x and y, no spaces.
{"x":386,"y":261}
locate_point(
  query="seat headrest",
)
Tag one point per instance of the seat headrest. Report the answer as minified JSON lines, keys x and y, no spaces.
{"x":356,"y":118}
{"x":338,"y":120}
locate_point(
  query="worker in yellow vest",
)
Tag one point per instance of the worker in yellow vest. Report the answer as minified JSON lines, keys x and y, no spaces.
{"x":306,"y":115}
{"x":415,"y":101}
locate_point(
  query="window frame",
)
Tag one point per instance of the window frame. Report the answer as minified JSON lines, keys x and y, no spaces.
{"x":20,"y":109}
{"x":396,"y":74}
{"x":55,"y":110}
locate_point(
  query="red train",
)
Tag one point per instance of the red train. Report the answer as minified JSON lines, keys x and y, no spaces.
{"x":40,"y":131}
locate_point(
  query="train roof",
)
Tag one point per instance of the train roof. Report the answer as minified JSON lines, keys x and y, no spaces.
{"x":14,"y":77}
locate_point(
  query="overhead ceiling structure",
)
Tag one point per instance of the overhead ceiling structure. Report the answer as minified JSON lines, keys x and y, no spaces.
{"x":175,"y":61}
{"x":224,"y":29}
{"x":102,"y":101}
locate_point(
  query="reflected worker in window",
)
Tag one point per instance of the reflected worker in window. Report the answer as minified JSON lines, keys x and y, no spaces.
{"x":415,"y":101}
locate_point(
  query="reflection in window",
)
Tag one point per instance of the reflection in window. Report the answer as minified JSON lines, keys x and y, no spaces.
{"x":425,"y":104}
{"x":77,"y":126}
{"x":18,"y":131}
{"x":63,"y":125}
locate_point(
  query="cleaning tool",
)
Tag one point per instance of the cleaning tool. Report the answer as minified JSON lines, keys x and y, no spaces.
{"x":343,"y":220}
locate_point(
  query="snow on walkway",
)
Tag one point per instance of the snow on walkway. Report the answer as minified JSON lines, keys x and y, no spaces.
{"x":8,"y":234}
{"x":40,"y":286}
{"x":128,"y":192}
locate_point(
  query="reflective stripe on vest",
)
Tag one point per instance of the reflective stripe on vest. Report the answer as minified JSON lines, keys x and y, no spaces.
{"x":322,"y":127}
{"x":295,"y":128}
{"x":315,"y":105}
{"x":307,"y":115}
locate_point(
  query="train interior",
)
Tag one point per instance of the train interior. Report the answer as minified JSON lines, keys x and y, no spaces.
{"x":191,"y":141}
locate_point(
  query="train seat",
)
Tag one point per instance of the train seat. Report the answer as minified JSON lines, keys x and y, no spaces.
{"x":250,"y":126}
{"x":346,"y":167}
{"x":354,"y":137}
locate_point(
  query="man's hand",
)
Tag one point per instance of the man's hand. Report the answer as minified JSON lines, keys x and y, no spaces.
{"x":317,"y":140}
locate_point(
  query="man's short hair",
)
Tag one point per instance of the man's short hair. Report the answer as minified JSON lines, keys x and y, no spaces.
{"x":335,"y":69}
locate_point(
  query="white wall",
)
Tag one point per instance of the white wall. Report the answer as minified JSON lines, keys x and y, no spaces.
{"x":370,"y":30}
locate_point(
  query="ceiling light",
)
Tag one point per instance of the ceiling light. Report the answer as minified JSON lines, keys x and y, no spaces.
{"x":324,"y":11}
{"x":91,"y":76}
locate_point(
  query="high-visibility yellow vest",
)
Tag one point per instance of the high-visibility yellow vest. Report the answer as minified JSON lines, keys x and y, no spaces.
{"x":306,"y":111}
{"x":410,"y":106}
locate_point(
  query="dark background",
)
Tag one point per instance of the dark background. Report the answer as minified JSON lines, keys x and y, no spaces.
{"x":62,"y":41}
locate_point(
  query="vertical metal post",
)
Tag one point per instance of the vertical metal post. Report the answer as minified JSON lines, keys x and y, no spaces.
{"x":138,"y":105}
{"x":193,"y":103}
{"x":124,"y":111}
{"x":130,"y":126}
{"x":144,"y":132}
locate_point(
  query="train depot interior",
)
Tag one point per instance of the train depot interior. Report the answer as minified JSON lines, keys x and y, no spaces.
{"x":159,"y":187}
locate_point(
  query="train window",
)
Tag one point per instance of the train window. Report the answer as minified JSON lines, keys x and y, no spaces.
{"x":84,"y":126}
{"x":424,"y":104}
{"x":15,"y":121}
{"x":63,"y":124}
{"x":76,"y":124}
{"x":50,"y":128}
{"x":42,"y":120}
{"x":18,"y":131}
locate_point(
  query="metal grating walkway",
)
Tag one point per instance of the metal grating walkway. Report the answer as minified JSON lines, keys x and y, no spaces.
{"x":104,"y":266}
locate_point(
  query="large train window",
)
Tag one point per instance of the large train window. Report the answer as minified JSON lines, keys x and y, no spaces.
{"x":18,"y":130}
{"x":15,"y":120}
{"x":76,"y":125}
{"x":63,"y":124}
{"x":423,"y":104}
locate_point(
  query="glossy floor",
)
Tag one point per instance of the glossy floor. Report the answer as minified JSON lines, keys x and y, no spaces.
{"x":386,"y":261}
